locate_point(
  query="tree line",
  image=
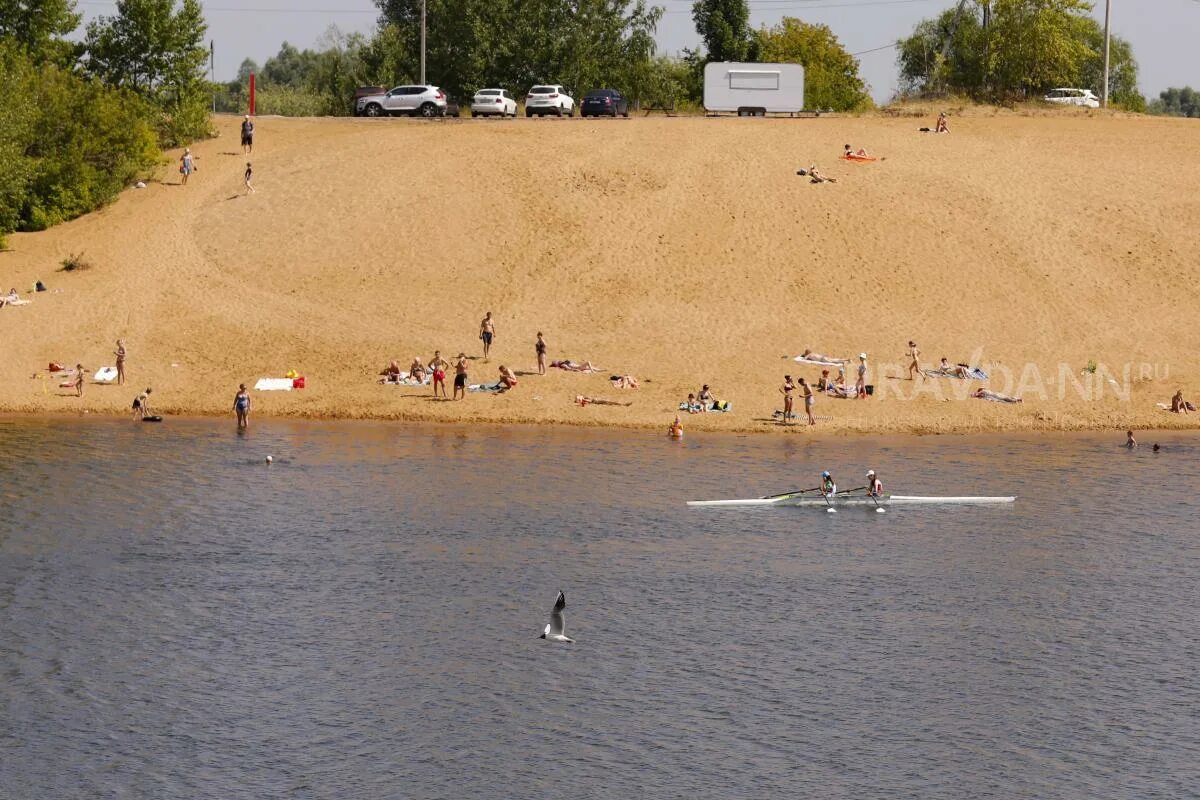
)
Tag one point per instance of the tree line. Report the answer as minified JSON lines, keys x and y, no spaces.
{"x":80,"y":120}
{"x":1014,"y":50}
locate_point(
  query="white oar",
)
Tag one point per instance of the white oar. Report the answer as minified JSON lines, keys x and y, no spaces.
{"x":831,"y":509}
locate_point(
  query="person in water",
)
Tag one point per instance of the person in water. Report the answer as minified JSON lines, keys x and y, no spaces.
{"x":241,"y":407}
{"x":675,"y":431}
{"x":874,"y":485}
{"x":1130,"y":442}
{"x":828,"y":487}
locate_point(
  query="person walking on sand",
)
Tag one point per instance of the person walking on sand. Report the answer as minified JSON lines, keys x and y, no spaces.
{"x":439,"y":366}
{"x":860,"y":385}
{"x":460,"y":377}
{"x":809,"y":400}
{"x":914,"y":355}
{"x":487,"y":332}
{"x":141,"y":404}
{"x":787,"y":389}
{"x":187,"y":165}
{"x":247,"y":135}
{"x":120,"y":354}
{"x":246,"y":178}
{"x":241,"y":407}
{"x":540,"y":347}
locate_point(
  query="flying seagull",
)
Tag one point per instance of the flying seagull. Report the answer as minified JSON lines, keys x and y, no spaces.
{"x":555,"y":628}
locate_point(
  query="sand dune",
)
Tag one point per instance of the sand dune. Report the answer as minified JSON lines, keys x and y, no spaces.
{"x":681,"y":251}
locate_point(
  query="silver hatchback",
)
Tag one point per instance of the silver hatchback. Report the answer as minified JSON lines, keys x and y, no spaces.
{"x":424,"y":101}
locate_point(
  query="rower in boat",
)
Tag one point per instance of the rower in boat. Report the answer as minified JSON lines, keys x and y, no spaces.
{"x":828,"y":487}
{"x":874,"y":485}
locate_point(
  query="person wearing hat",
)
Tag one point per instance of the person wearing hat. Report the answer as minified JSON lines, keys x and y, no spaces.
{"x":874,"y":485}
{"x":460,"y":377}
{"x":247,"y":134}
{"x":828,"y":487}
{"x":860,"y":385}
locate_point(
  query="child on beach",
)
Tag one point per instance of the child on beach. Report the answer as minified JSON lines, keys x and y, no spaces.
{"x":241,"y":407}
{"x":540,"y":347}
{"x":249,"y":174}
{"x":439,"y":366}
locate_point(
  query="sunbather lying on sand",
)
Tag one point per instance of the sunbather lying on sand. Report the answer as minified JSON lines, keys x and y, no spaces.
{"x":624,"y":382}
{"x":859,"y":153}
{"x":571,"y":366}
{"x":817,"y":177}
{"x":995,"y":397}
{"x":809,"y":355}
{"x":584,"y":400}
{"x":957,"y":370}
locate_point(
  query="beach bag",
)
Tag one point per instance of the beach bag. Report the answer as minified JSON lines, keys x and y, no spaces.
{"x":298,"y":382}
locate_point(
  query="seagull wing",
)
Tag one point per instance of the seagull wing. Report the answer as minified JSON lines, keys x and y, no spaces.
{"x":557,"y":622}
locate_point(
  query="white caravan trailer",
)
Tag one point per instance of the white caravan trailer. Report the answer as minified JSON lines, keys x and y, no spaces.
{"x":753,"y":89}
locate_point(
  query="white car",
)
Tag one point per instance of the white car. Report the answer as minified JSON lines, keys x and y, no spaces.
{"x":1073,"y":97}
{"x":426,"y":101}
{"x":549,"y":99}
{"x":493,"y":103}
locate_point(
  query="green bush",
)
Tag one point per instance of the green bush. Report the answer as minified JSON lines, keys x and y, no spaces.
{"x":285,"y":101}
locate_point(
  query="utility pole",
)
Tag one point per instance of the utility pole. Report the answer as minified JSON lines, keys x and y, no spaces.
{"x":1107,"y":39}
{"x":423,"y":43}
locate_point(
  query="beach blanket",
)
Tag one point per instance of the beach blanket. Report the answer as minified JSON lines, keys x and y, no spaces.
{"x":485,"y":387}
{"x":273,"y":385}
{"x":974,"y":373}
{"x":699,"y":409}
{"x":832,"y":362}
{"x":856,"y":157}
{"x":105,"y":375}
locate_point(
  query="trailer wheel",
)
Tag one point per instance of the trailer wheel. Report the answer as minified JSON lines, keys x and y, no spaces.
{"x":750,"y":111}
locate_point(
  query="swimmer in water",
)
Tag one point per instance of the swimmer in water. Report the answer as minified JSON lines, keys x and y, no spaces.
{"x":1130,"y":442}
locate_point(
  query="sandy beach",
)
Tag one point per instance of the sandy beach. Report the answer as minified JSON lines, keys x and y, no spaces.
{"x":681,"y":251}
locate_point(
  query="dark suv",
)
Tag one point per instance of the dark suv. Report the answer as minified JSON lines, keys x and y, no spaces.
{"x":604,"y":103}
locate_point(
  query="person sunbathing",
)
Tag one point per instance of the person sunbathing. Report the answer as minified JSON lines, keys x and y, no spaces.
{"x":624,"y":382}
{"x":817,"y":177}
{"x":809,"y":355}
{"x":995,"y":397}
{"x":1178,"y":404}
{"x":507,"y":379}
{"x":390,"y":373}
{"x":571,"y":366}
{"x":417,"y":371}
{"x":957,"y":370}
{"x":859,"y":153}
{"x":584,"y":400}
{"x":705,"y":398}
{"x":823,"y":383}
{"x":693,"y":407}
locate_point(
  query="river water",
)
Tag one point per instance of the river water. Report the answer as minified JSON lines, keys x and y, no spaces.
{"x":359,"y":619}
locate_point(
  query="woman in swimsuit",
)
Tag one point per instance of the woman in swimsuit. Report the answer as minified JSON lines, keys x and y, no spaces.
{"x":460,"y":377}
{"x":540,"y":347}
{"x":120,"y":354}
{"x":706,"y":399}
{"x":787,"y":389}
{"x":241,"y":406}
{"x":417,"y":370}
{"x":79,"y":380}
{"x":860,"y":386}
{"x":914,"y":366}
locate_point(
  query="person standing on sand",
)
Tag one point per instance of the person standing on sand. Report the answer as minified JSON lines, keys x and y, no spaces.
{"x":460,"y":377}
{"x":241,"y":407}
{"x":187,"y":165}
{"x":809,"y":400}
{"x":487,"y":332}
{"x":787,"y":389}
{"x":914,"y":354}
{"x":79,"y":380}
{"x":120,"y":354}
{"x":247,"y":135}
{"x":540,"y":347}
{"x":860,"y":385}
{"x":246,"y":178}
{"x":439,"y":366}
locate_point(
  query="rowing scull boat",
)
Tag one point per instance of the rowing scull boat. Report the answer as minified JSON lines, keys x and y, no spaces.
{"x":853,"y":500}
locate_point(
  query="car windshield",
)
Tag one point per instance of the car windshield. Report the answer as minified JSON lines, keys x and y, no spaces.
{"x":489,"y":92}
{"x":543,"y":90}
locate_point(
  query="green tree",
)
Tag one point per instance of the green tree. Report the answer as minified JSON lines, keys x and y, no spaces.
{"x":1175,"y":102}
{"x":38,"y":26}
{"x":1122,"y":72}
{"x":831,"y":77}
{"x":724,"y":27}
{"x":158,"y":52}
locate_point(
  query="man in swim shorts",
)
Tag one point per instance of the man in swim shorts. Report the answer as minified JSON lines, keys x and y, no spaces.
{"x":487,"y":332}
{"x":439,"y":366}
{"x":460,"y":377}
{"x":247,"y":135}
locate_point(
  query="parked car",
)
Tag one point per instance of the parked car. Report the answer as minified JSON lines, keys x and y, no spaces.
{"x":549,"y":99}
{"x":604,"y":103}
{"x":365,"y":91}
{"x":1073,"y":97}
{"x":426,"y":101}
{"x":493,"y":103}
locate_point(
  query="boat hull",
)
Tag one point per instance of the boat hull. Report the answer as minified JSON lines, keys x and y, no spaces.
{"x":855,"y":500}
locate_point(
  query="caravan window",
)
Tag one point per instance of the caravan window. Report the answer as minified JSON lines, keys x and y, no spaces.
{"x":754,"y":79}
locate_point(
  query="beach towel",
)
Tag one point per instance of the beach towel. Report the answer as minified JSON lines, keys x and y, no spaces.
{"x":974,"y":373}
{"x":856,"y":157}
{"x":274,"y":385}
{"x":716,"y":406}
{"x":833,"y":362}
{"x":485,"y":387}
{"x":105,"y":375}
{"x":405,"y":379}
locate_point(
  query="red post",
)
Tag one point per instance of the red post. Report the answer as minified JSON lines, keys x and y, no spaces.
{"x":252,"y":94}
